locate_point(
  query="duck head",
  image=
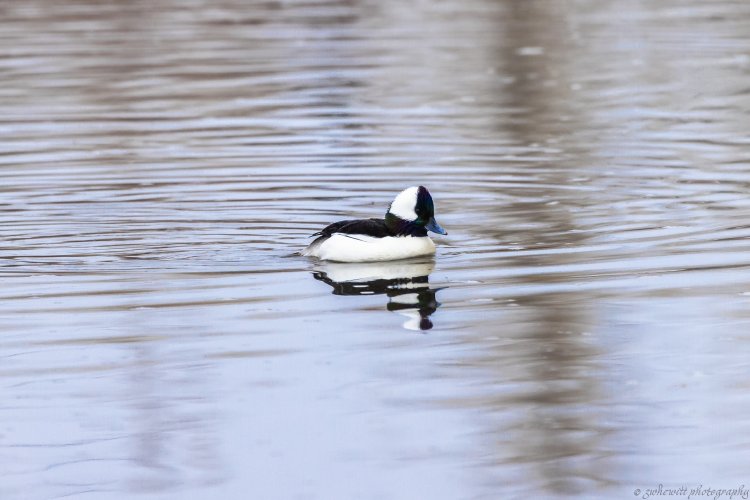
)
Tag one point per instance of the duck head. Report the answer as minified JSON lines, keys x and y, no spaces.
{"x":413,"y":213}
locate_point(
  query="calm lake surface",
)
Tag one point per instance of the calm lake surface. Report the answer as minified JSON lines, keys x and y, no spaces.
{"x":583,"y":330}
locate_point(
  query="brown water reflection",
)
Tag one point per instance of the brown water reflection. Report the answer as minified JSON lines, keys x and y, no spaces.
{"x":584,"y":322}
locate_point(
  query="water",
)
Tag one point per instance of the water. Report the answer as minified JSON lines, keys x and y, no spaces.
{"x":583,"y":330}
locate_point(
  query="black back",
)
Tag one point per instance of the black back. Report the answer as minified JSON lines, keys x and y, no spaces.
{"x":370,"y":227}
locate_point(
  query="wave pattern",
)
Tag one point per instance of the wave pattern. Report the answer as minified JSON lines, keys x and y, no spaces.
{"x":161,"y":162}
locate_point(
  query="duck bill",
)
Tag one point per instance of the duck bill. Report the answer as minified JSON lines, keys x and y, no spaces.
{"x":435,"y":227}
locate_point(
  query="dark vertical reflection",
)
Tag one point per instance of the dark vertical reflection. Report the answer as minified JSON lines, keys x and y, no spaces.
{"x":560,"y":434}
{"x":171,"y":438}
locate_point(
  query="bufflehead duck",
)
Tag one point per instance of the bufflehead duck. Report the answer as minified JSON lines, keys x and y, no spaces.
{"x":402,"y":234}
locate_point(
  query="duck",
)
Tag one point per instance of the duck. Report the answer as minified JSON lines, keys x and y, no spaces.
{"x":401,"y":234}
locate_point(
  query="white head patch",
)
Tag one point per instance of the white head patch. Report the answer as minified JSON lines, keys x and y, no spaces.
{"x":404,"y":204}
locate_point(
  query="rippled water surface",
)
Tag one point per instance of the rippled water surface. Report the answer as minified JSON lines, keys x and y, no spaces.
{"x":583,"y":330}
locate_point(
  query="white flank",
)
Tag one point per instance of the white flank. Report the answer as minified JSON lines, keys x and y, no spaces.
{"x":362,"y":248}
{"x":403,"y":205}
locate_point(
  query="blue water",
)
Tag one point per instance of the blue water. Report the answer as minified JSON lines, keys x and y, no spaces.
{"x":581,"y":331}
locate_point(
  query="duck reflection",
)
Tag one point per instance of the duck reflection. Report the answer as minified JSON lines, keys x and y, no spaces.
{"x":406,"y":283}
